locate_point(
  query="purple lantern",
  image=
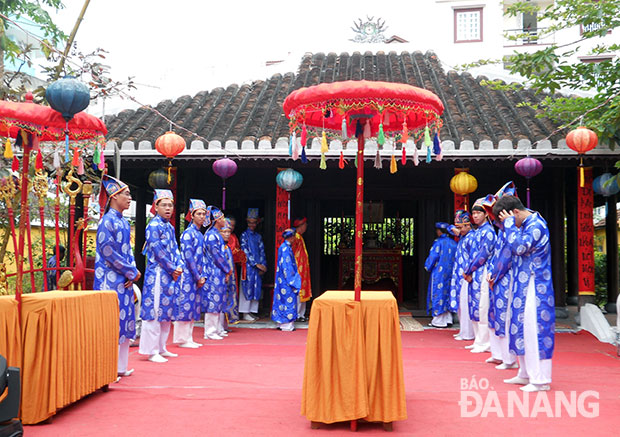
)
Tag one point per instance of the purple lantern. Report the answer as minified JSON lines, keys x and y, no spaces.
{"x":224,"y":168}
{"x":528,"y":168}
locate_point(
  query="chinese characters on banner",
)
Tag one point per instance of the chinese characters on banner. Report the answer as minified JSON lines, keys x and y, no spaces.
{"x":585,"y":235}
{"x":282,"y":220}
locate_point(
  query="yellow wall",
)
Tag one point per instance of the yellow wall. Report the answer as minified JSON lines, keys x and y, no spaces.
{"x":600,"y":241}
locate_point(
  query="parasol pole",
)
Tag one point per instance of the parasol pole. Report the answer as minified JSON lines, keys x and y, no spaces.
{"x":40,"y":189}
{"x":72,"y":195}
{"x":30,"y":260}
{"x":19,"y":259}
{"x":359,"y":210}
{"x":87,"y":190}
{"x":57,"y":219}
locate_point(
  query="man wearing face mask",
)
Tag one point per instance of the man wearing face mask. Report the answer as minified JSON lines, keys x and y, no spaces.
{"x":164,"y":267}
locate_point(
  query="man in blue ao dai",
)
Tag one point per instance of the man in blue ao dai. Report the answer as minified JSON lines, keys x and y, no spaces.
{"x":218,"y":273}
{"x":439,"y":264}
{"x":115,"y":266}
{"x":188,"y":300}
{"x":252,"y":286}
{"x":458,"y":285}
{"x":532,"y":325}
{"x":164,"y":267}
{"x":287,"y":285}
{"x":231,"y":314}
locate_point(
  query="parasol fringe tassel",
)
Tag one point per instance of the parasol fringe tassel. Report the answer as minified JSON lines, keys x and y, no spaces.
{"x":393,"y":165}
{"x":341,"y":161}
{"x":416,"y":159}
{"x":76,"y":157}
{"x":367,"y":132}
{"x":428,"y":154}
{"x":101,"y":165}
{"x":15,"y":164}
{"x":8,"y":149}
{"x":304,"y":158}
{"x":344,"y":128}
{"x":38,"y":162}
{"x":295,"y":151}
{"x":324,"y":145}
{"x":80,"y":170}
{"x":96,"y":155}
{"x":378,"y":163}
{"x":304,"y":136}
{"x":323,"y":164}
{"x":403,"y":159}
{"x":381,"y":136}
{"x":436,"y":144}
{"x":56,"y":162}
{"x":290,"y":145}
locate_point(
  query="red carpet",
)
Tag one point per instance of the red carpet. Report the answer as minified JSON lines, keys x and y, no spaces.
{"x":250,"y":384}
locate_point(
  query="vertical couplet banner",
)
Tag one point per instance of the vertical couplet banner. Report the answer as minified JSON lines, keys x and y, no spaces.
{"x":585,"y":235}
{"x":177,"y":201}
{"x":282,"y":220}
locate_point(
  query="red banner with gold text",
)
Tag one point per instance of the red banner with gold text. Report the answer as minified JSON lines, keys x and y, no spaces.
{"x":282,"y":219}
{"x":585,"y":234}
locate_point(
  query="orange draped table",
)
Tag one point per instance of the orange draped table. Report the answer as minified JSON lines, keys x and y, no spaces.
{"x":66,"y":349}
{"x":354,"y":365}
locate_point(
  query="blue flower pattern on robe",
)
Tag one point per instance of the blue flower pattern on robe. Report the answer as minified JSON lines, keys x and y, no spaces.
{"x":481,"y":250}
{"x":114,"y":265}
{"x":287,"y":285}
{"x":252,"y":245}
{"x":215,"y":290}
{"x":232,"y":308}
{"x":461,"y":262}
{"x":163,"y":258}
{"x":188,"y":299}
{"x":439,"y":263}
{"x":500,"y":269}
{"x":532,"y":255}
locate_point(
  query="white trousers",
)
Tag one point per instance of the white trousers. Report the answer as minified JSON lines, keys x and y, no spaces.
{"x":123,"y":356}
{"x":212,"y":324}
{"x":247,"y":306}
{"x":467,"y":329}
{"x":507,"y":356}
{"x":153,"y":337}
{"x":496,"y":345}
{"x":154,"y":334}
{"x":301,"y":307}
{"x":221,"y":323}
{"x":530,"y":364}
{"x":183,"y":331}
{"x":289,"y":326}
{"x":481,"y":328}
{"x":442,"y":319}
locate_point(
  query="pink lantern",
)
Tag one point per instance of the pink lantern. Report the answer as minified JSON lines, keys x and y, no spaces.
{"x":528,"y":168}
{"x":224,"y":168}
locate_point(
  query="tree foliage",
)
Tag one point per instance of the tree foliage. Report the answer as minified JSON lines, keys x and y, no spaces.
{"x":557,"y":66}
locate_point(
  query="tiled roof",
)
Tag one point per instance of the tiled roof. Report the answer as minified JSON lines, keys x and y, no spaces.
{"x":249,"y":118}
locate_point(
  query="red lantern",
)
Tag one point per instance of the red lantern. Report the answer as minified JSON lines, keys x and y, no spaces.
{"x":170,"y":145}
{"x":581,"y":140}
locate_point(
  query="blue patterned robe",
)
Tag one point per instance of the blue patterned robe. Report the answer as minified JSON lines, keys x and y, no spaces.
{"x":461,"y":262}
{"x":163,"y":258}
{"x":287,"y":285}
{"x":114,"y":265}
{"x":439,"y":263}
{"x":232,"y":308}
{"x":481,"y":250}
{"x":188,"y":299}
{"x":500,"y":268}
{"x":532,"y":256}
{"x":252,"y":245}
{"x":215,"y":290}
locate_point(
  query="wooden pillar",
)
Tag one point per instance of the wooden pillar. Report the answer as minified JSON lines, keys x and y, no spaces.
{"x":611,"y":239}
{"x":571,"y":238}
{"x":314,"y":238}
{"x":585,"y":237}
{"x":423,"y":238}
{"x":140,"y":226}
{"x":556,"y":235}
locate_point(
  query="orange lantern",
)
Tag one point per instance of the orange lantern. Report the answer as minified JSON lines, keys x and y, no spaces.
{"x":170,"y":145}
{"x":581,"y":140}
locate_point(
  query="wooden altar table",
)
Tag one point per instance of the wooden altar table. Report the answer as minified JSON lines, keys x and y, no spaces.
{"x":377,"y":264}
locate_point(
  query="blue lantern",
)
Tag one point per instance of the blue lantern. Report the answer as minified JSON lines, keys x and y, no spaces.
{"x":606,"y":185}
{"x":68,"y":96}
{"x":289,"y":180}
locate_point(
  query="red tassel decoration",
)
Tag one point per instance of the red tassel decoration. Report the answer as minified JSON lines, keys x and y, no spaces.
{"x":15,"y":164}
{"x":304,"y":136}
{"x":403,"y":160}
{"x":341,"y":161}
{"x":38,"y":163}
{"x":76,"y":157}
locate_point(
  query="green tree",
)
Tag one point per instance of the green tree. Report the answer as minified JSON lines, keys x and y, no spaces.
{"x":556,"y":65}
{"x":12,"y":50}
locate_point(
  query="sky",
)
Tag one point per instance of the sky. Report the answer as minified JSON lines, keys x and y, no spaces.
{"x":173,"y":48}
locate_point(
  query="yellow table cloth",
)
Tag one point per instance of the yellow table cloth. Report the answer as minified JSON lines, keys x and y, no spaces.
{"x":354,"y":367}
{"x":69,"y":347}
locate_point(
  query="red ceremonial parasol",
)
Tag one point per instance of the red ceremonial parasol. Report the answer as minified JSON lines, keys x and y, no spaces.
{"x":30,"y":123}
{"x":363,"y":109}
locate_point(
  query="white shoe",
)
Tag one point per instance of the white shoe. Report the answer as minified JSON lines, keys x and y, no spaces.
{"x":536,"y":387}
{"x":197,"y":344}
{"x":470,"y":346}
{"x":505,"y":366}
{"x":126,"y":373}
{"x":255,"y":316}
{"x":479,"y":350}
{"x":248,"y":317}
{"x":189,"y":345}
{"x":169,"y":354}
{"x":517,"y":380}
{"x":214,"y":337}
{"x":456,"y":335}
{"x":492,"y":360}
{"x":223,"y":334}
{"x":157,"y":359}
